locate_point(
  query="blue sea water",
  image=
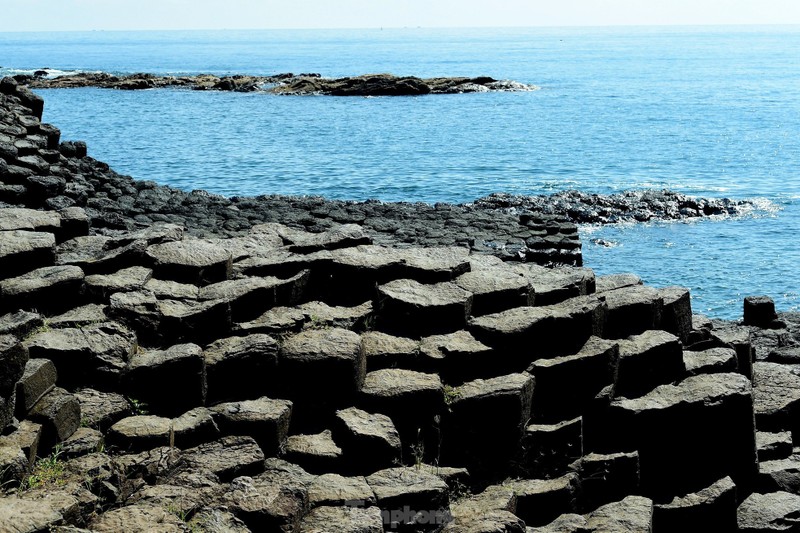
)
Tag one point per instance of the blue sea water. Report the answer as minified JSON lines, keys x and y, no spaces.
{"x":708,"y":111}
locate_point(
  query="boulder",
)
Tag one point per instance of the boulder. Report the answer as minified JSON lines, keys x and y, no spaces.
{"x":169,"y":381}
{"x":193,"y":428}
{"x":407,"y":307}
{"x":46,"y":289}
{"x":241,"y":368}
{"x":648,"y":360}
{"x":689,"y":435}
{"x":22,"y":251}
{"x":100,"y":410}
{"x":266,"y":420}
{"x":369,"y":441}
{"x":59,"y":413}
{"x":486,"y":422}
{"x":761,"y":513}
{"x":190,"y":261}
{"x":83,"y":442}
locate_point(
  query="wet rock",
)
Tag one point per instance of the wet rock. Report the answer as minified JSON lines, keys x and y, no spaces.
{"x":369,"y":441}
{"x":566,"y":385}
{"x":228,"y":457}
{"x":540,"y":501}
{"x":38,"y":379}
{"x":768,"y":512}
{"x":347,"y":520}
{"x":190,"y":261}
{"x":419,"y":499}
{"x":23,"y":251}
{"x":170,"y":381}
{"x":240,"y":368}
{"x":606,"y":478}
{"x":408,"y":307}
{"x":59,"y":413}
{"x":691,"y":434}
{"x":486,"y":421}
{"x":648,"y":360}
{"x":265,"y":419}
{"x":315,"y":453}
{"x":140,"y":432}
{"x":45,"y":289}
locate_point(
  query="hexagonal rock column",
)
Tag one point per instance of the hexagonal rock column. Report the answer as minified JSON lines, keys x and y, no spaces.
{"x":566,"y":385}
{"x":13,"y":359}
{"x":407,"y":307}
{"x":99,"y":287}
{"x":458,"y":357}
{"x":266,"y":420}
{"x":369,"y":441}
{"x":486,"y":421}
{"x":169,"y":381}
{"x":411,"y":499}
{"x":47,"y":289}
{"x":547,"y":449}
{"x":776,"y":395}
{"x":317,"y":454}
{"x":676,"y":315}
{"x":759,"y":311}
{"x":23,"y":251}
{"x":38,"y":379}
{"x":496,"y":289}
{"x":59,"y":413}
{"x":321,"y":369}
{"x":737,"y":338}
{"x":412,"y":400}
{"x":191,"y":321}
{"x":347,"y":520}
{"x":761,"y":513}
{"x":632,"y":310}
{"x":548,"y":331}
{"x":710,"y":361}
{"x":648,"y":360}
{"x":689,"y":435}
{"x":710,"y":509}
{"x":241,"y":368}
{"x":190,"y":261}
{"x":555,"y":285}
{"x":540,"y":501}
{"x":633,"y":513}
{"x":251,"y":297}
{"x":140,"y":432}
{"x":228,"y":457}
{"x":606,"y":478}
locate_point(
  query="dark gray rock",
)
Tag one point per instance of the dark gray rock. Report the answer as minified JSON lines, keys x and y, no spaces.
{"x":776,"y":396}
{"x":737,"y":338}
{"x":540,"y":501}
{"x":761,"y":513}
{"x":387,"y":351}
{"x":547,"y":449}
{"x":59,"y":413}
{"x":496,"y":289}
{"x":458,"y":357}
{"x":616,"y":281}
{"x":190,"y":321}
{"x":632,"y":310}
{"x":676,"y":314}
{"x":407,"y":307}
{"x":22,"y":251}
{"x":773,"y":446}
{"x":759,"y":311}
{"x":194,"y":427}
{"x":713,"y":360}
{"x":190,"y":261}
{"x":333,"y":489}
{"x":648,"y":360}
{"x":20,"y":323}
{"x":251,"y":297}
{"x":83,"y":316}
{"x":423,"y":494}
{"x":633,"y":513}
{"x":779,"y":475}
{"x":555,"y":285}
{"x":140,"y":432}
{"x":228,"y":457}
{"x":266,"y":420}
{"x":240,"y":368}
{"x":369,"y":441}
{"x":100,"y":286}
{"x":100,"y":410}
{"x":83,"y":442}
{"x":606,"y":478}
{"x":38,"y":379}
{"x":46,"y":289}
{"x":169,"y":381}
{"x":13,"y":360}
{"x":347,"y":520}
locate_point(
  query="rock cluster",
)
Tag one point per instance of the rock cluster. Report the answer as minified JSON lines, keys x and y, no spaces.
{"x":289,"y":381}
{"x":287,"y":84}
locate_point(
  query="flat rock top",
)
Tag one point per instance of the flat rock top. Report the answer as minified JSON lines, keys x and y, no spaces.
{"x":142,"y":426}
{"x":638,"y":344}
{"x":616,"y":281}
{"x":16,"y":241}
{"x":394,"y":381}
{"x":414,"y":293}
{"x":256,"y":344}
{"x":378,"y":343}
{"x":529,"y":487}
{"x":513,"y":321}
{"x":706,"y":389}
{"x":775,"y":386}
{"x":460,"y":342}
{"x":192,"y":252}
{"x":249,"y":410}
{"x":492,"y":280}
{"x":173,"y":353}
{"x":314,"y":344}
{"x":40,"y":278}
{"x":398,"y":482}
{"x":768,"y":512}
{"x":13,"y":218}
{"x":703,"y":497}
{"x":370,"y":424}
{"x":510,"y":384}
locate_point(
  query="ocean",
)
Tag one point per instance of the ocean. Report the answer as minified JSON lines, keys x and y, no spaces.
{"x":707,"y":111}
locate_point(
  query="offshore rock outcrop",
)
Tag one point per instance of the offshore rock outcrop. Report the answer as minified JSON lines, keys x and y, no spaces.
{"x":289,"y":84}
{"x":283,"y":380}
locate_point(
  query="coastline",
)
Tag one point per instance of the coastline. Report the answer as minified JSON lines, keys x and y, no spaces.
{"x":288,"y":357}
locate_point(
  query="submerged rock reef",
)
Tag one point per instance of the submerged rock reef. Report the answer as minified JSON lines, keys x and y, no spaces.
{"x":194,"y":367}
{"x":287,"y":84}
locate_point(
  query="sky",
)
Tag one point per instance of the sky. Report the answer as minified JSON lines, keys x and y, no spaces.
{"x":69,"y":15}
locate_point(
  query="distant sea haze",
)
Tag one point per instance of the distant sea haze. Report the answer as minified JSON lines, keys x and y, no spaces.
{"x":707,"y":111}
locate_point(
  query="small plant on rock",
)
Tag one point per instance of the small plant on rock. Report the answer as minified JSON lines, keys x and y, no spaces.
{"x":138,"y":407}
{"x":48,"y":471}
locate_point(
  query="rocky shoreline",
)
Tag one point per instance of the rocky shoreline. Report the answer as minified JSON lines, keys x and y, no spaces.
{"x":235,"y":375}
{"x":285,"y":84}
